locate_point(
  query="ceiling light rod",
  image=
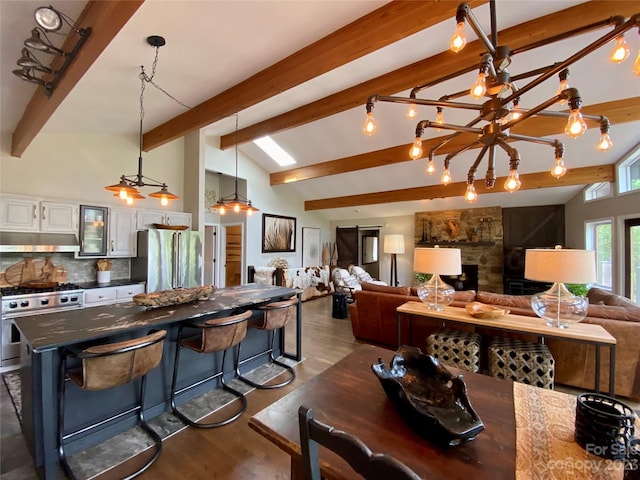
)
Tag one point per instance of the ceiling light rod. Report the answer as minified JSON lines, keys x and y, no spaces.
{"x":235,"y":201}
{"x":500,"y":100}
{"x":126,"y":188}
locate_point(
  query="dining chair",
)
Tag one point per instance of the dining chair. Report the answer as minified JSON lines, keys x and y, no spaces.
{"x":371,"y":466}
{"x":214,"y":335}
{"x":107,"y":366}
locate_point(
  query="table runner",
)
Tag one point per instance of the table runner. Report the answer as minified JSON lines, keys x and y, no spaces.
{"x":546,"y":448}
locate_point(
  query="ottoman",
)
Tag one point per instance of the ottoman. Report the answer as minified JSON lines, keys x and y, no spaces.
{"x":455,"y":349}
{"x":521,"y":361}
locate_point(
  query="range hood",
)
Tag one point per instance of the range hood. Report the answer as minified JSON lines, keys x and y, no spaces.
{"x":38,"y":242}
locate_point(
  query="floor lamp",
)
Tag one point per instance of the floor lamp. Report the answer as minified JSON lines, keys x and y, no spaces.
{"x":394,"y":244}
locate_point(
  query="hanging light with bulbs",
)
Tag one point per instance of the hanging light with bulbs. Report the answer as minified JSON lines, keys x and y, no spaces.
{"x":502,"y":99}
{"x":234,"y":202}
{"x":32,"y":69}
{"x":127,"y":188}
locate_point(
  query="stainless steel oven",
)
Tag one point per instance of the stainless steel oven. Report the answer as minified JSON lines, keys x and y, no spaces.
{"x":20,"y":302}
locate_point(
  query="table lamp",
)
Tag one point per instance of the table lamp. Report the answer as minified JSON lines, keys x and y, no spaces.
{"x":438,"y":261}
{"x":558,"y":306}
{"x":394,"y":244}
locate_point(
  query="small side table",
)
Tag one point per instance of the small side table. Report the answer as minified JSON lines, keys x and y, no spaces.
{"x":339,"y":305}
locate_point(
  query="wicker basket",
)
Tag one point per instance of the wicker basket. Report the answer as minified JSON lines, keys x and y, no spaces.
{"x":173,"y":297}
{"x":604,"y":426}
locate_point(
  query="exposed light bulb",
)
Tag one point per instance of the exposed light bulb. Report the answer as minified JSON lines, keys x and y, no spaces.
{"x":369,"y":124}
{"x":222,"y":211}
{"x":445,"y":179}
{"x":516,"y":113}
{"x":513,"y":182}
{"x":459,"y":40}
{"x":412,"y":112}
{"x":470,"y":195}
{"x":430,"y":167}
{"x":439,"y":118}
{"x":605,"y":142}
{"x":480,"y":87}
{"x":129,"y":200}
{"x":123,"y":194}
{"x":236,"y":208}
{"x":636,"y":65}
{"x":249,"y":212}
{"x":620,"y":50}
{"x":164,"y":201}
{"x":415,"y":151}
{"x":558,"y":169}
{"x":575,"y":125}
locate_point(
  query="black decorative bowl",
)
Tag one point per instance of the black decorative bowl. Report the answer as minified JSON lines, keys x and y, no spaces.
{"x":430,"y":398}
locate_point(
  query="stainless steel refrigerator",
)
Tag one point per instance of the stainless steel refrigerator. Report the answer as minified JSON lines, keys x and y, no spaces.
{"x":168,"y":259}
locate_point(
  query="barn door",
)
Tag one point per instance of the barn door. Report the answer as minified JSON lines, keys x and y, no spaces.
{"x":347,"y":244}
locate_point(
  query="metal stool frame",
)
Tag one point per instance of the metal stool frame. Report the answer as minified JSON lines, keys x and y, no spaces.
{"x":229,"y":323}
{"x":134,"y":345}
{"x":293,"y":301}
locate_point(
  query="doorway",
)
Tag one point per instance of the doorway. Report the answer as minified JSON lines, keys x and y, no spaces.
{"x":632,"y":259}
{"x":233,"y":242}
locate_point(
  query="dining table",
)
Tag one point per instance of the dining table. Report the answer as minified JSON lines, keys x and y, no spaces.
{"x":528,"y":431}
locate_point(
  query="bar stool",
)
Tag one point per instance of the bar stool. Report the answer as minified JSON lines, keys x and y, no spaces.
{"x":275,"y":316}
{"x":216,"y":335}
{"x":107,"y":366}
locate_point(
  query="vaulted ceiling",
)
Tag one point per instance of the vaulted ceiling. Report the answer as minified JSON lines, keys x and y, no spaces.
{"x":302,"y":71}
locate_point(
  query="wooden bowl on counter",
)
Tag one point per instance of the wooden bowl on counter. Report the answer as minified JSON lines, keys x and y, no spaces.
{"x":486,"y":312}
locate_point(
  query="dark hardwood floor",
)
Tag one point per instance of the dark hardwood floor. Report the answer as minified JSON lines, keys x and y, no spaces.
{"x":230,"y":452}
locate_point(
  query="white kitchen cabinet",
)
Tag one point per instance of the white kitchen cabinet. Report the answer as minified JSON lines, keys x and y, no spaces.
{"x":146,"y":218}
{"x":95,"y":297}
{"x":23,"y":214}
{"x":122,"y":233}
{"x":126,"y":292}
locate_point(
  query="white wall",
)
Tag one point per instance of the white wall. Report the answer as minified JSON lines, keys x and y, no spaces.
{"x":388,"y":225}
{"x":264,"y":197}
{"x":78,"y":167}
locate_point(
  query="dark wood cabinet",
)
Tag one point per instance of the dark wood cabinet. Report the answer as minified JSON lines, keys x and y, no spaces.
{"x":531,"y":227}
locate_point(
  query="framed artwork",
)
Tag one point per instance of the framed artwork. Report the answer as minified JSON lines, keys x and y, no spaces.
{"x":310,"y":247}
{"x":278,"y":233}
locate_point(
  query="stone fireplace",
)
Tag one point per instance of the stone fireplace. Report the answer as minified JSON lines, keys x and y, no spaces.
{"x":477,"y":232}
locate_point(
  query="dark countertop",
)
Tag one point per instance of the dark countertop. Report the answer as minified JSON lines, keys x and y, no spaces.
{"x":53,"y":330}
{"x":112,"y":283}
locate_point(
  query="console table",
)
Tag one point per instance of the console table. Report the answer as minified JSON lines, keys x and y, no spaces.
{"x":579,"y":332}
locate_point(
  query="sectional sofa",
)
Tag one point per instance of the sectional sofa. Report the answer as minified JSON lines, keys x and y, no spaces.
{"x":373,"y":319}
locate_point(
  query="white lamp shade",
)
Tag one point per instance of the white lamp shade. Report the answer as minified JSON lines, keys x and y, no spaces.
{"x":394,"y":243}
{"x":441,"y":261}
{"x":560,"y":265}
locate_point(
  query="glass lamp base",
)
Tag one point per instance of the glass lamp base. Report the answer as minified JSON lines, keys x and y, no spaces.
{"x":435,"y":293}
{"x":559,"y":307}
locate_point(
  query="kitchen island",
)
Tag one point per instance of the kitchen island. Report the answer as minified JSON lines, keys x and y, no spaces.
{"x":44,"y":335}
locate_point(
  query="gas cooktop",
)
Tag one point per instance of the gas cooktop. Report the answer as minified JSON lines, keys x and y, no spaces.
{"x":60,"y":287}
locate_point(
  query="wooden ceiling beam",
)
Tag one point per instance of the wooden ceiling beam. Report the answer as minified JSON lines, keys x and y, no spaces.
{"x":433,"y":68}
{"x":530,"y":181}
{"x":618,"y":112}
{"x":388,"y":24}
{"x":105,"y":18}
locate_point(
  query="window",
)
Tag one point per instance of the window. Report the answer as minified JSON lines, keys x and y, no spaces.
{"x":632,"y":259}
{"x":629,"y":171}
{"x":599,"y":239}
{"x":597,"y":191}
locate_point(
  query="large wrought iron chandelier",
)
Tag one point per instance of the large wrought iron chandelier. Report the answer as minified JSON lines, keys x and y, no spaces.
{"x":235,"y":202}
{"x":127,"y":188}
{"x":501,"y":95}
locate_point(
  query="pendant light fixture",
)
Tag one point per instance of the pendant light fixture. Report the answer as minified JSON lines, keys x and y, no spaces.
{"x":127,"y":188}
{"x":500,"y":100}
{"x":234,"y":202}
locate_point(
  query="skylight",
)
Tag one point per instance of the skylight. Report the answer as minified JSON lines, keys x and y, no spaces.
{"x":275,"y":151}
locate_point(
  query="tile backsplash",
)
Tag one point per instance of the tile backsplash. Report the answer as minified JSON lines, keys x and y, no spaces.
{"x":78,"y":270}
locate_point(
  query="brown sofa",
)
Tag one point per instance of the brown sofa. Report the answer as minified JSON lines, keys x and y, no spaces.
{"x":373,"y":319}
